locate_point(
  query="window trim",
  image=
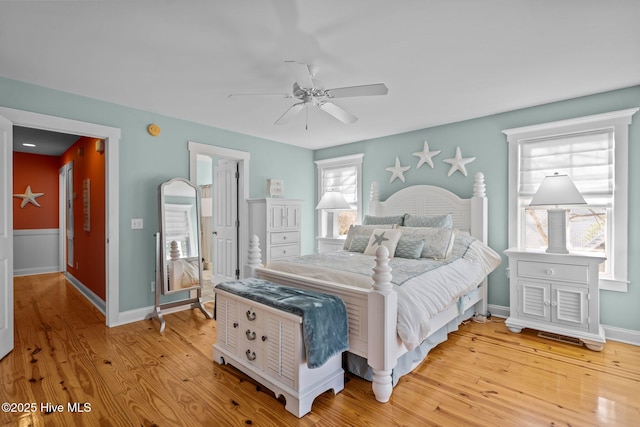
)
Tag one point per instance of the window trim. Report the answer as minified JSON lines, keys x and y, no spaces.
{"x":351,"y":160}
{"x":619,"y":121}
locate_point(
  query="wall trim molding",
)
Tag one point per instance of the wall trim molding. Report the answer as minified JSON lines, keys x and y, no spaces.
{"x":88,"y":293}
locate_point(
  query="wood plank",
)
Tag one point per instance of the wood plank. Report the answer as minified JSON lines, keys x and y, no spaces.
{"x":133,"y":375}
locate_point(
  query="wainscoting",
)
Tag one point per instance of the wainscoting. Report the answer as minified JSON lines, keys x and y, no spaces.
{"x":36,"y":251}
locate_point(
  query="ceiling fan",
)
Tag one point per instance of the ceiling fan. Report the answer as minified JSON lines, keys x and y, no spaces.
{"x":311,"y":93}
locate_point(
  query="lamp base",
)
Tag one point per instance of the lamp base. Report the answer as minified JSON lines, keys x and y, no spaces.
{"x":557,"y":231}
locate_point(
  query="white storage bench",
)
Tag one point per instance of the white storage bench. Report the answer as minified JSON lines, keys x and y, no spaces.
{"x":267,"y":344}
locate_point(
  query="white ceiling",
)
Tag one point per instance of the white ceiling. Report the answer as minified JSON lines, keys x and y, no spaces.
{"x":443,"y":61}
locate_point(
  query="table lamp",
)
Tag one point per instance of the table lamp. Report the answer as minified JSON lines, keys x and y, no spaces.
{"x":557,"y":190}
{"x":330,"y":202}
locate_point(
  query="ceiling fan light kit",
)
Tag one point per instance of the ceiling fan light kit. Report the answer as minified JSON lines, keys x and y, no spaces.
{"x":311,"y":94}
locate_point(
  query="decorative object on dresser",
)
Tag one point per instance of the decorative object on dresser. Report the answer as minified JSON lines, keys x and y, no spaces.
{"x":394,"y":320}
{"x":556,"y":293}
{"x":555,"y":191}
{"x":290,"y":340}
{"x":275,"y":187}
{"x":276,"y":222}
{"x":331,"y":202}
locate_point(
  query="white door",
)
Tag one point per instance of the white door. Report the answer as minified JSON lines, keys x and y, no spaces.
{"x":225,"y":220}
{"x":6,"y":237}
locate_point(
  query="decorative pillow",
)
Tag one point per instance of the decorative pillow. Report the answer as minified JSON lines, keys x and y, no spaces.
{"x":438,"y":241}
{"x":359,"y":244}
{"x":383,"y":237}
{"x":441,"y":221}
{"x":361,"y":230}
{"x":409,"y":248}
{"x":375,"y":220}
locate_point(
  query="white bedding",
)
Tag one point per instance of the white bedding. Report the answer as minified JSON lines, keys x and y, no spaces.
{"x":420,"y":296}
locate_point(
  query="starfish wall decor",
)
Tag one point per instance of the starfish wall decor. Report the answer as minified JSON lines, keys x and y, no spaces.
{"x":426,"y":156}
{"x":28,"y":197}
{"x":458,"y":163}
{"x":398,"y":171}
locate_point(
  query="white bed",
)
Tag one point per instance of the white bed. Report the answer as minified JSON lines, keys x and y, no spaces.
{"x":373,"y":312}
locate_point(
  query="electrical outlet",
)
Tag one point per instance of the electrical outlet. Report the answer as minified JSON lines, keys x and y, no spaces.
{"x":136,"y":223}
{"x":153,"y":286}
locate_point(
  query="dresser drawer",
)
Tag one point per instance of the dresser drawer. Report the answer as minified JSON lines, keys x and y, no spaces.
{"x":285,"y":251}
{"x":550,"y":271}
{"x":285,"y":237}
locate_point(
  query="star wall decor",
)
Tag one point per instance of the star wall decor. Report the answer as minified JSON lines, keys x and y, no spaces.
{"x":398,"y":171}
{"x":426,"y":156}
{"x":458,"y":163}
{"x":28,"y":197}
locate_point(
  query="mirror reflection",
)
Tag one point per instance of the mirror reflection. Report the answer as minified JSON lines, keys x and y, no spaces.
{"x":180,"y":236}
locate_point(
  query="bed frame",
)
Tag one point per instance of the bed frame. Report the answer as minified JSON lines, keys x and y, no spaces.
{"x":372,"y":313}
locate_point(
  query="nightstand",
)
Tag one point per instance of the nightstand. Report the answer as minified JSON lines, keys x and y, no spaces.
{"x":557,"y":294}
{"x":330,"y":244}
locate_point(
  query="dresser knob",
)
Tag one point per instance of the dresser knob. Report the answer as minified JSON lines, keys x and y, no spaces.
{"x":549,"y":272}
{"x":264,"y":338}
{"x":235,"y":324}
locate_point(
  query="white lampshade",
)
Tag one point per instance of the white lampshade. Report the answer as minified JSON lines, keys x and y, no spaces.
{"x":333,"y":200}
{"x":557,"y":190}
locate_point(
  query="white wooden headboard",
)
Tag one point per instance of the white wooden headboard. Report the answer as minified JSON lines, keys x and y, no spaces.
{"x":468,"y":214}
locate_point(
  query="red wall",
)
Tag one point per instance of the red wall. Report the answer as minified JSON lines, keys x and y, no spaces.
{"x":41,"y":173}
{"x":89,"y":246}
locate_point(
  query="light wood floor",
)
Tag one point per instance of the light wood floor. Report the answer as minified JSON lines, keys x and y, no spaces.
{"x":132,"y":375}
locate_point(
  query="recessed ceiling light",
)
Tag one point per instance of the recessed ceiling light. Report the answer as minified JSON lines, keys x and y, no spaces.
{"x":28,"y":144}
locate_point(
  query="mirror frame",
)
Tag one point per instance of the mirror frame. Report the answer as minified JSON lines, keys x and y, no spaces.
{"x":163,"y":256}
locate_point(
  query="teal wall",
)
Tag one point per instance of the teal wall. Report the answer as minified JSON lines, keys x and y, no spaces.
{"x":146,"y":162}
{"x":483,"y":139}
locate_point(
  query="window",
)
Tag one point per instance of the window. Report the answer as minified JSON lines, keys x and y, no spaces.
{"x":341,"y":174}
{"x":593,"y":152}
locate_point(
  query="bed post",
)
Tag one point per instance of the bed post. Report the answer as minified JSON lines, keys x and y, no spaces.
{"x":374,"y":199}
{"x":479,"y":228}
{"x":254,"y":258}
{"x":382,"y":324}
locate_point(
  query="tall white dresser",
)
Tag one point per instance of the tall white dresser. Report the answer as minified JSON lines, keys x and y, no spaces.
{"x":276,"y":222}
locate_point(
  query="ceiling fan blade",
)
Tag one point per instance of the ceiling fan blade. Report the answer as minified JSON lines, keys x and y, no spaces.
{"x":337,"y":112}
{"x":280,"y":95}
{"x":292,"y":111}
{"x":364,"y":90}
{"x":301,"y":74}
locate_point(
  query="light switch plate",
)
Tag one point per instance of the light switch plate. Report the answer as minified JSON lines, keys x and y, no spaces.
{"x":136,"y":224}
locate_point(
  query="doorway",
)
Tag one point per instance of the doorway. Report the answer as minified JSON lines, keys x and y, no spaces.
{"x":226,"y":173}
{"x":111,"y":136}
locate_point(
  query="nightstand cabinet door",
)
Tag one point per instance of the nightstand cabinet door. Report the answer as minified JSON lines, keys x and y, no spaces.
{"x":556,"y":293}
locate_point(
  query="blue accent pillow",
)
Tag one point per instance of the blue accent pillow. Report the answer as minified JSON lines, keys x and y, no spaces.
{"x":409,"y":248}
{"x":377,"y":220}
{"x":359,"y":244}
{"x":439,"y":221}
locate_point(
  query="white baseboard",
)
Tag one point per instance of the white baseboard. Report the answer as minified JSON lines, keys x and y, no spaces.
{"x":146,"y":313}
{"x":88,"y":293}
{"x":34,"y":271}
{"x":612,"y":333}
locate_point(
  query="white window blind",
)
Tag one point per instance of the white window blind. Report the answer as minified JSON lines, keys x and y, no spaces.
{"x":588,"y":159}
{"x":178,"y":228}
{"x":343,"y":179}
